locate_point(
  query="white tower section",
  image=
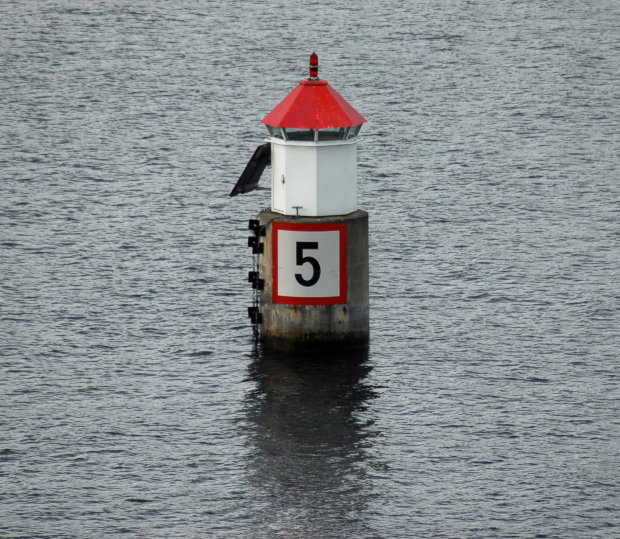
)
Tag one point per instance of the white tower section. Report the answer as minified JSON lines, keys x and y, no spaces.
{"x":314,"y":178}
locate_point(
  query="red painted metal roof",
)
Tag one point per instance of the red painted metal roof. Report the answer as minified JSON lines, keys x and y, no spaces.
{"x":313,"y":104}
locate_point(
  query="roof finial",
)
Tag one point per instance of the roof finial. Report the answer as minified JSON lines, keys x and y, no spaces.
{"x":314,"y":66}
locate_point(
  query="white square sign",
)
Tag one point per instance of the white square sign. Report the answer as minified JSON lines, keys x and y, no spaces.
{"x":309,"y":263}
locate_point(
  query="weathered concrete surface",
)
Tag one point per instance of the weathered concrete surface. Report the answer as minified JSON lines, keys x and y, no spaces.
{"x":305,"y":327}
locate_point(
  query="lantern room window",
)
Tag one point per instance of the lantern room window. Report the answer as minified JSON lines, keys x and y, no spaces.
{"x":292,"y":133}
{"x":354,"y":131}
{"x":275,"y":131}
{"x":315,"y":135}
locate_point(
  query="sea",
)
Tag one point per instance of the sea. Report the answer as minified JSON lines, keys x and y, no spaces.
{"x":134,"y":399}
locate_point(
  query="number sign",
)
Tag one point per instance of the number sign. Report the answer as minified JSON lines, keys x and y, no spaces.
{"x":309,"y":263}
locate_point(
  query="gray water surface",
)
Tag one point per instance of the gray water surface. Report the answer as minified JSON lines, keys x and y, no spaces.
{"x":133,"y":400}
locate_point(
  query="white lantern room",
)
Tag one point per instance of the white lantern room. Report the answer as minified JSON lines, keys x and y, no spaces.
{"x":313,"y":150}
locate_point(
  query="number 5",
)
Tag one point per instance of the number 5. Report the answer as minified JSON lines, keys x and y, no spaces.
{"x":301,"y":259}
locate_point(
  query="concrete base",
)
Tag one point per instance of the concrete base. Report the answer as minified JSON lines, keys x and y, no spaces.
{"x":310,"y":327}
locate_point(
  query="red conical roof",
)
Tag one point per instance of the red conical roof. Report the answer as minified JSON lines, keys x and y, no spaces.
{"x":313,"y":104}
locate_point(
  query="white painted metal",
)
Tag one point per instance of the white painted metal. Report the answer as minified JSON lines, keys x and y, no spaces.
{"x":320,"y":177}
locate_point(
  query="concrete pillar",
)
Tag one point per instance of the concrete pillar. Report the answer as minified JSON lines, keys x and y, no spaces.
{"x":315,"y":272}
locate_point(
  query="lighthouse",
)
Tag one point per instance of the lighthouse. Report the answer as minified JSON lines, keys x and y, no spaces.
{"x":310,"y":273}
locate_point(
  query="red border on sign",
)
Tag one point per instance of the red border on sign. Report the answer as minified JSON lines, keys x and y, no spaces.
{"x":295,"y":300}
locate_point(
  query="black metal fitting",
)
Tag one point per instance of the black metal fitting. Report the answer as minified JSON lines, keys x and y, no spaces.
{"x":257,"y":284}
{"x":253,"y":225}
{"x":257,"y":248}
{"x":256,"y":317}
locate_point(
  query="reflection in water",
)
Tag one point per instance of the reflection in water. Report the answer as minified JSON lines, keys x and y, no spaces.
{"x":309,"y":451}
